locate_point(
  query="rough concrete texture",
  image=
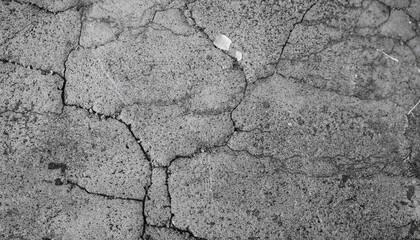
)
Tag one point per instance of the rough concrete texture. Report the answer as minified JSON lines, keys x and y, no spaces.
{"x":223,"y":194}
{"x":32,"y":36}
{"x":173,"y":95}
{"x":100,"y":156}
{"x":257,"y":28}
{"x":170,"y":131}
{"x":158,"y":206}
{"x":316,"y":133}
{"x":33,"y":209}
{"x":56,"y":6}
{"x":122,"y":119}
{"x":28,"y":90}
{"x":161,"y":233}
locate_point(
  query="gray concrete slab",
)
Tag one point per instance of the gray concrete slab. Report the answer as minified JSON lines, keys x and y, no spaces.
{"x":203,"y":119}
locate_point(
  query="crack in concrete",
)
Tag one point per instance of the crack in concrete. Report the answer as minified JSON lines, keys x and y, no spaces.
{"x":188,"y":232}
{"x":44,"y":9}
{"x":146,"y":193}
{"x":328,"y":46}
{"x":102,"y":116}
{"x":167,"y":175}
{"x":290,"y":34}
{"x":63,"y":89}
{"x":163,"y":28}
{"x":235,"y":65}
{"x":63,"y":93}
{"x":149,"y":23}
{"x":81,"y":19}
{"x":145,"y":153}
{"x":30,"y":111}
{"x":43,"y":71}
{"x":202,"y":31}
{"x":16,"y":33}
{"x":198,"y":150}
{"x":75,"y":184}
{"x":283,"y":168}
{"x":169,"y":194}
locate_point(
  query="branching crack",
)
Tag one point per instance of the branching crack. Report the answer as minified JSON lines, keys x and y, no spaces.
{"x":202,"y":31}
{"x":128,"y":126}
{"x":145,"y":153}
{"x":63,"y":93}
{"x":290,"y":33}
{"x":231,"y":112}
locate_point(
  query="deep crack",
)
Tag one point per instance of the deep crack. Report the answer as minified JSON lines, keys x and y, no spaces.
{"x":169,"y":195}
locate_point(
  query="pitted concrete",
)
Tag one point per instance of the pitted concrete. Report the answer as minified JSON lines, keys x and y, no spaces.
{"x":32,"y":36}
{"x":122,"y":119}
{"x":28,"y":90}
{"x":317,"y":133}
{"x":225,"y":194}
{"x":158,"y":202}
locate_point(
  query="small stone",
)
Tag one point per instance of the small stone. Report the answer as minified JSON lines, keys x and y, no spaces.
{"x":222,"y":42}
{"x":238,"y":55}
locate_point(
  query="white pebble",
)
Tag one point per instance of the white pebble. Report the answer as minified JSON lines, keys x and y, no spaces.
{"x":238,"y":56}
{"x":222,"y":42}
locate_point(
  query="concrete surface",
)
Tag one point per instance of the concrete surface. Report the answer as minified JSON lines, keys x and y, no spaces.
{"x":122,"y":120}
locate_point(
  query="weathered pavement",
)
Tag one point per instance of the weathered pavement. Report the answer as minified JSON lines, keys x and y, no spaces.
{"x":122,"y":120}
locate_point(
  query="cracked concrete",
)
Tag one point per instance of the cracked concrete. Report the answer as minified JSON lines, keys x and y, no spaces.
{"x":224,"y":194}
{"x":32,"y":36}
{"x":278,"y":118}
{"x":158,"y":212}
{"x":122,"y":120}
